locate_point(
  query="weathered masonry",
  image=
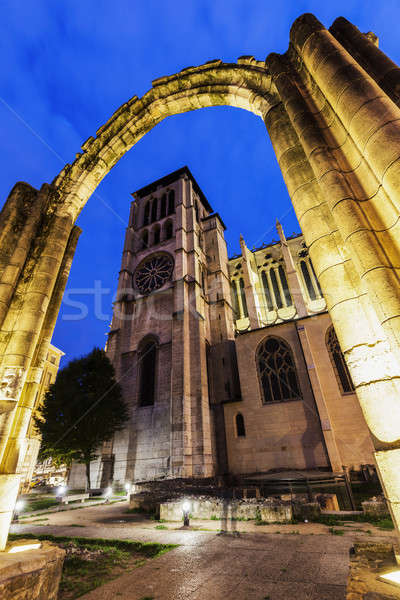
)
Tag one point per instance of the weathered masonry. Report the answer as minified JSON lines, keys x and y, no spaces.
{"x":248,"y":365}
{"x":330,"y":106}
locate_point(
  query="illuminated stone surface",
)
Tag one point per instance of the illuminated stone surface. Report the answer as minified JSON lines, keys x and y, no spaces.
{"x":335,"y":128}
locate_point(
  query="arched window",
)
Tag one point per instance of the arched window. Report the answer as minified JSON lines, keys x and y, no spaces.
{"x":156,"y":235}
{"x":145,"y":240}
{"x":203,"y":281}
{"x":285,"y":286}
{"x":163,"y":206}
{"x":277,"y":371}
{"x":168,"y":229}
{"x":154,"y":210}
{"x":146,"y":214}
{"x":267,"y":293}
{"x":240,"y":428}
{"x":338,"y":362}
{"x":171,"y":202}
{"x":243,"y":297}
{"x":196,"y":209}
{"x":307,"y":279}
{"x":275,"y":286}
{"x":147,"y":361}
{"x":235,"y":301}
{"x":315,"y":277}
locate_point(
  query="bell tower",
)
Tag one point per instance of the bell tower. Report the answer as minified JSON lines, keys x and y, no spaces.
{"x":173,"y":299}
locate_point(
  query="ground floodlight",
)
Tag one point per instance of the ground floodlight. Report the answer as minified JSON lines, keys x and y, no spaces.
{"x":186,"y":509}
{"x":393,"y":578}
{"x":19,"y":505}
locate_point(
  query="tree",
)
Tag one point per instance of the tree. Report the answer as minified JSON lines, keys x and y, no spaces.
{"x":82,"y":409}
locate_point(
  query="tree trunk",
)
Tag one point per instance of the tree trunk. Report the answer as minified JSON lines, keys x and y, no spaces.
{"x":87,"y":465}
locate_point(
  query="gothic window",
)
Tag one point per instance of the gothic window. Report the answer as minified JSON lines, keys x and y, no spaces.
{"x":240,"y":428}
{"x":285,"y":286}
{"x":168,"y":229}
{"x":153,"y":273}
{"x":235,"y":300}
{"x":277,"y":371}
{"x":163,"y":206}
{"x":338,"y":362}
{"x":147,"y":361}
{"x":154,"y":210}
{"x":267,"y":292}
{"x":145,"y":240}
{"x":146,"y":214}
{"x":315,"y":277}
{"x":243,"y":297}
{"x":275,"y":286}
{"x":171,"y":202}
{"x":308,"y":281}
{"x":156,"y":235}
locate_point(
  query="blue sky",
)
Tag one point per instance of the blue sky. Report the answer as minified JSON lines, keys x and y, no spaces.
{"x":67,"y":65}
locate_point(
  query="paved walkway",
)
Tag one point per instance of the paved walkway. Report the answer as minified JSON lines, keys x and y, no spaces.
{"x":207,"y":566}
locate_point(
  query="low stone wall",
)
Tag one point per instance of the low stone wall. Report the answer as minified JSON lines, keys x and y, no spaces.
{"x":218,"y":508}
{"x":374,"y":508}
{"x":31,"y":574}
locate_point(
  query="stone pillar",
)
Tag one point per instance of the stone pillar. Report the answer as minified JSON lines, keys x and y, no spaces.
{"x":367,"y":53}
{"x":292,"y":276}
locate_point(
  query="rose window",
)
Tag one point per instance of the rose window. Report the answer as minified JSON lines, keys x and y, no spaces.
{"x":153,"y":272}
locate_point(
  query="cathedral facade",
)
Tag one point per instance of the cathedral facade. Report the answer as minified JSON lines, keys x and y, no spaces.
{"x":228,"y":365}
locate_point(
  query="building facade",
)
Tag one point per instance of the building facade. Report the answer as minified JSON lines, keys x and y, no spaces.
{"x":228,"y":365}
{"x":50,"y":370}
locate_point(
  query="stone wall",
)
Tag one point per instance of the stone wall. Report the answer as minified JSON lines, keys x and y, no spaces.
{"x":207,"y":508}
{"x":31,"y":574}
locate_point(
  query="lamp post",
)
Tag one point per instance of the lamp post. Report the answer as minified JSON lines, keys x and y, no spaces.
{"x":19,"y":505}
{"x":186,"y":509}
{"x":108,"y":494}
{"x":128,"y":489}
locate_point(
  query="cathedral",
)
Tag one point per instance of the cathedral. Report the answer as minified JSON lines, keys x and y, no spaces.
{"x":228,"y":365}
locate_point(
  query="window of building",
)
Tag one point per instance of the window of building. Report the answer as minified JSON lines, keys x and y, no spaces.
{"x":146,"y":214}
{"x":267,"y":292}
{"x":156,"y":235}
{"x":154,"y":210}
{"x":171,"y":202}
{"x":163,"y":206}
{"x":147,"y":360}
{"x":315,"y":277}
{"x":240,"y":428}
{"x":275,"y":286}
{"x":338,"y":362}
{"x":285,"y":287}
{"x":168,"y":229}
{"x":307,"y":280}
{"x":145,"y":240}
{"x":277,"y":371}
{"x":243,"y":298}
{"x":196,"y":209}
{"x":235,"y":301}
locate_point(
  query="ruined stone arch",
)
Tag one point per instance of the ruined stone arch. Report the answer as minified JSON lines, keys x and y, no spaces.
{"x":330,"y":105}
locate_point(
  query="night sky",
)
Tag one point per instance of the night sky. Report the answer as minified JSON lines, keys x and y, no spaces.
{"x":67,"y":65}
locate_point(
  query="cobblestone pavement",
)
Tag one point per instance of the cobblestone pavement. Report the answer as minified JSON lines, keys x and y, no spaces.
{"x":207,"y":566}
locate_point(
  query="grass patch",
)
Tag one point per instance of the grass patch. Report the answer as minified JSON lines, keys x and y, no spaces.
{"x":161,"y":527}
{"x":91,"y":562}
{"x":334,"y":531}
{"x":332,"y":520}
{"x":39,"y":504}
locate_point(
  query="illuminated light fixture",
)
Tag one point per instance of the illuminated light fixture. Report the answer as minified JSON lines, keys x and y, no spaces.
{"x":19,"y":505}
{"x":128,"y":487}
{"x":393,"y":578}
{"x":108,"y":494}
{"x":61,"y":490}
{"x":186,"y":509}
{"x":24,"y":547}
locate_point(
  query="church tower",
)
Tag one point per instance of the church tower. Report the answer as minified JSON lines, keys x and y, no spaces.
{"x":173,"y":305}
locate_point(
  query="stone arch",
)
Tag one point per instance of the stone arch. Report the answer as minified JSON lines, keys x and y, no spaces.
{"x":330,"y":107}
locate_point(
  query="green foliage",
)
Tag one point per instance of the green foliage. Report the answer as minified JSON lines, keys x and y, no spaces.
{"x":39,"y":504}
{"x":214,"y":518}
{"x":161,"y":527}
{"x":334,"y":531}
{"x":81,"y":410}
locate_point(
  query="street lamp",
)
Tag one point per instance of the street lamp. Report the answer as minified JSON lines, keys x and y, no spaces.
{"x":128,"y":489}
{"x":186,"y":509}
{"x":108,"y":494}
{"x":19,"y":505}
